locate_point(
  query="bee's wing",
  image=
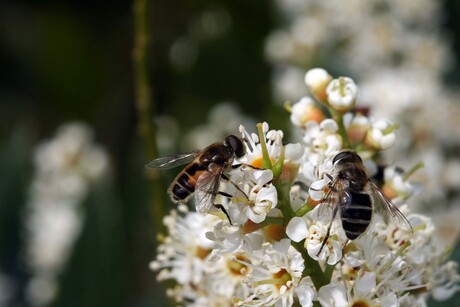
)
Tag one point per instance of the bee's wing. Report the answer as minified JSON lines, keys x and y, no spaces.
{"x":173,"y":161}
{"x":336,"y":196}
{"x":207,"y":187}
{"x":387,"y":209}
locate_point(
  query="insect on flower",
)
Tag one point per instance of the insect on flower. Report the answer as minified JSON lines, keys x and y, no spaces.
{"x":202,"y":176}
{"x":353,"y":195}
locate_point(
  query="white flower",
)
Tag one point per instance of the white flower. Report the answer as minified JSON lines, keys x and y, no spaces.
{"x":322,"y":139}
{"x":357,"y":127}
{"x":66,"y":167}
{"x":445,"y":281}
{"x":260,"y":195}
{"x":304,"y":111}
{"x":317,"y":79}
{"x":342,"y":93}
{"x":182,"y":254}
{"x":397,"y":187}
{"x":381,"y":135}
{"x":277,"y":277}
{"x":273,"y":140}
{"x":336,"y":295}
{"x":331,"y":251}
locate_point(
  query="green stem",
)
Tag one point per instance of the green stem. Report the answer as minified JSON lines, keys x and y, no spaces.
{"x":412,"y":170}
{"x":269,"y":220}
{"x":304,"y":209}
{"x":312,"y":267}
{"x":143,"y":102}
{"x":328,"y":271}
{"x":338,"y":117}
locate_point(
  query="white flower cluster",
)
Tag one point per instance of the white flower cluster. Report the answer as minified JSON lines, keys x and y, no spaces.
{"x":398,"y":52}
{"x":65,"y":167}
{"x":281,"y":246}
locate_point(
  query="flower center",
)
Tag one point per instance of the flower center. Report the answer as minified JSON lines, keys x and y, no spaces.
{"x":360,"y":303}
{"x":201,"y":253}
{"x":257,"y":163}
{"x":237,"y":267}
{"x":275,"y":233}
{"x":282,"y":278}
{"x":279,"y":279}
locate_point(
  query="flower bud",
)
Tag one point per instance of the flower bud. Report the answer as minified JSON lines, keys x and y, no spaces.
{"x":305,"y":111}
{"x":317,"y":80}
{"x":357,"y":129}
{"x":381,"y":135}
{"x":342,"y":93}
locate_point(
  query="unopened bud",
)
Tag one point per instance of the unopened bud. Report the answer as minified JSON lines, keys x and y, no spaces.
{"x":317,"y":79}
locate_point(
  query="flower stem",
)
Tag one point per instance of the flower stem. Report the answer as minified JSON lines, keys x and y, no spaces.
{"x":143,"y":102}
{"x":312,"y":267}
{"x":412,"y":170}
{"x":387,"y":265}
{"x":338,"y":117}
{"x":307,"y":207}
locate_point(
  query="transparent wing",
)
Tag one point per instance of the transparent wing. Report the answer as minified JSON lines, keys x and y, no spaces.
{"x":207,"y":187}
{"x":335,"y":197}
{"x":387,"y":209}
{"x":173,"y":161}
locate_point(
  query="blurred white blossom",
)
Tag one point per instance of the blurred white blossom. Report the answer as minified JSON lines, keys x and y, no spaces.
{"x":65,"y":168}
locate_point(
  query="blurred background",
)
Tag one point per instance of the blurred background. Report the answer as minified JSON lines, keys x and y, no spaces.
{"x":79,"y":216}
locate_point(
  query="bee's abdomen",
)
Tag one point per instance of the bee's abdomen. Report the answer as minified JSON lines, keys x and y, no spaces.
{"x":184,"y":184}
{"x":357,"y":215}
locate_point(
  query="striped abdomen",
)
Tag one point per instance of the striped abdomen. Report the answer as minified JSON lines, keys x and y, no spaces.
{"x":357,"y":215}
{"x":184,"y":184}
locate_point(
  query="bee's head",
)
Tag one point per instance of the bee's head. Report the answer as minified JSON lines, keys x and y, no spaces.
{"x":235,"y":144}
{"x":347,"y":156}
{"x":350,"y":170}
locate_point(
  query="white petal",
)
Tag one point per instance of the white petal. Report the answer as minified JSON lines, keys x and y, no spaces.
{"x":268,"y":194}
{"x":316,"y":76}
{"x":316,"y":190}
{"x":296,"y":229}
{"x":329,"y":125}
{"x":332,"y":295}
{"x":366,"y":283}
{"x":305,"y":294}
{"x":294,"y":151}
{"x":388,"y":140}
{"x":390,"y":300}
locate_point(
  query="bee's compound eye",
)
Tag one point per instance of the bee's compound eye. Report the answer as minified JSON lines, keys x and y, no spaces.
{"x":346,"y":156}
{"x":236,"y":144}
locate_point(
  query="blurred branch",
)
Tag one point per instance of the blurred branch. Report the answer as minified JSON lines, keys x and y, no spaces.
{"x":143,"y":101}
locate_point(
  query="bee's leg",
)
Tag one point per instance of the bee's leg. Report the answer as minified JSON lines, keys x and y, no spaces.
{"x":224,"y":177}
{"x":219,"y":206}
{"x":225,"y":194}
{"x":234,"y":166}
{"x":334,"y":213}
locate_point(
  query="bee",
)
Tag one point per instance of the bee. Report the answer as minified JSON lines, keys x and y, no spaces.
{"x":203,"y":173}
{"x":355,"y":197}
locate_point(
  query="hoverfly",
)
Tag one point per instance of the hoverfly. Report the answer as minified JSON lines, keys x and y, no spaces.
{"x":354,"y":196}
{"x":202,"y":176}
